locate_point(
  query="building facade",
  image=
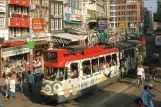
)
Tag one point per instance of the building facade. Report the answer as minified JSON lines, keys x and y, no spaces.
{"x":18,"y":18}
{"x":129,"y":14}
{"x":111,"y":14}
{"x":3,"y":21}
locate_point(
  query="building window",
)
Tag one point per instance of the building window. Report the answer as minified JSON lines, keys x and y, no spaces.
{"x":52,"y":8}
{"x":60,"y":9}
{"x":1,"y":21}
{"x":52,"y":24}
{"x":60,"y":24}
{"x":2,"y":15}
{"x":56,"y":24}
{"x":56,"y":9}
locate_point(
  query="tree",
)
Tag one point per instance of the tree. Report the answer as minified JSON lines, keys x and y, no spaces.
{"x":157,"y":15}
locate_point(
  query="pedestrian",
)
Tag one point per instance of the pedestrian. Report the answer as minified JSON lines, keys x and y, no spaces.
{"x":21,"y":80}
{"x":144,"y":96}
{"x":31,"y":81}
{"x":12,"y":87}
{"x":156,"y":59}
{"x":152,"y":71}
{"x":140,"y":74}
{"x":150,"y":95}
{"x":7,"y":80}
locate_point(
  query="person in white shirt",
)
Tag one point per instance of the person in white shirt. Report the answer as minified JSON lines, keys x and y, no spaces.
{"x":140,"y":74}
{"x":12,"y":87}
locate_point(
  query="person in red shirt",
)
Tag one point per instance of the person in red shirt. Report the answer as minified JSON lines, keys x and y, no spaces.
{"x":139,"y":104}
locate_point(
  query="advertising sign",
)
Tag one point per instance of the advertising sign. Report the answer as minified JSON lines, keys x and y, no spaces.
{"x":101,"y":27}
{"x":121,"y":25}
{"x":37,"y":24}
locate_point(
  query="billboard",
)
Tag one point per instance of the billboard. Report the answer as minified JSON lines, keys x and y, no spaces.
{"x":37,"y":24}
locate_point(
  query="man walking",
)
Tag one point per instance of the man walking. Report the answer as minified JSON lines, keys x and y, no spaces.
{"x":144,"y":96}
{"x":31,"y":81}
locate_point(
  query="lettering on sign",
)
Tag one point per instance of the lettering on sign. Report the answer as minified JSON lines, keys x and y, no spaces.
{"x":15,"y":52}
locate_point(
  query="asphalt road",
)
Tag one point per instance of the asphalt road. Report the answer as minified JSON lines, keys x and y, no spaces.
{"x":119,"y":94}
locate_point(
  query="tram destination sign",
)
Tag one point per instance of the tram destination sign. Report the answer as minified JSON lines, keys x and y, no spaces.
{"x":51,"y":56}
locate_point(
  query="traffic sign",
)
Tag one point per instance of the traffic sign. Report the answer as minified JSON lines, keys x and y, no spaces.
{"x":31,"y":44}
{"x":122,"y":25}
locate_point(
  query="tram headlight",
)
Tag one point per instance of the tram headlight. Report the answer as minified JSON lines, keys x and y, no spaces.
{"x":47,"y":89}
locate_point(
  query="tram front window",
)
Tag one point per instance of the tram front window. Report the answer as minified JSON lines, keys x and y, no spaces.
{"x":54,"y":74}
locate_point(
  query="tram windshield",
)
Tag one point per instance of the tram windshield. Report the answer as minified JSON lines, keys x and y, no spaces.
{"x":54,"y":74}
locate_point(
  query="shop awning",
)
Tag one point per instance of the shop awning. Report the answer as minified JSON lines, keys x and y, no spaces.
{"x":73,"y":22}
{"x":70,"y":36}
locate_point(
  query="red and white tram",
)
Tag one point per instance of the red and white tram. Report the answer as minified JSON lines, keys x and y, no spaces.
{"x":73,"y":72}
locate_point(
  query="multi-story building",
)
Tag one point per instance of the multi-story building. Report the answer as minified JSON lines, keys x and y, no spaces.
{"x":148,"y":18}
{"x":111,"y":14}
{"x":39,"y":27}
{"x":3,"y":21}
{"x":18,"y":18}
{"x":129,"y":15}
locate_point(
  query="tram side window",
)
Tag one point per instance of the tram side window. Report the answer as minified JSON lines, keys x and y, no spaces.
{"x":108,"y":61}
{"x":74,"y":70}
{"x":114,"y":59}
{"x":86,"y":68}
{"x":102,"y":65}
{"x":95,"y":65}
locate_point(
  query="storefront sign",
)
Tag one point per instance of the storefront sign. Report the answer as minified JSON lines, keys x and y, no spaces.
{"x":57,"y":16}
{"x":19,"y":23}
{"x":25,"y":3}
{"x":31,"y":44}
{"x":14,"y":51}
{"x":37,"y":24}
{"x":76,"y":17}
{"x":15,"y":15}
{"x":67,"y":16}
{"x":101,"y":27}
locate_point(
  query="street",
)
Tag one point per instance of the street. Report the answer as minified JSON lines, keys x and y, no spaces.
{"x":119,"y":94}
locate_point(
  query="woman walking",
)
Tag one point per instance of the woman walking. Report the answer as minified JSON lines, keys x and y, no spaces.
{"x":140,"y":74}
{"x":7,"y":80}
{"x":12,"y":89}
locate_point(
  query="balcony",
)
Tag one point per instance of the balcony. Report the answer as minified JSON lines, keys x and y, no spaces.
{"x":14,"y":22}
{"x":25,"y":3}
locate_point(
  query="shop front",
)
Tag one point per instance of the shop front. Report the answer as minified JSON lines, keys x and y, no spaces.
{"x":13,"y":56}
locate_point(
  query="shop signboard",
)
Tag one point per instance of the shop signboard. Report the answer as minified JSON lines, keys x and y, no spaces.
{"x":122,"y":25}
{"x":25,"y":3}
{"x":37,"y":24}
{"x":31,"y":44}
{"x":7,"y":52}
{"x":101,"y":27}
{"x":13,"y":22}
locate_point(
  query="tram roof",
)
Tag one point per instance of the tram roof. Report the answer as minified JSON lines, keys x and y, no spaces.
{"x":125,"y":45}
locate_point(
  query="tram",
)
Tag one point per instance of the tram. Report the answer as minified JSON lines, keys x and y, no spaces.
{"x":77,"y":70}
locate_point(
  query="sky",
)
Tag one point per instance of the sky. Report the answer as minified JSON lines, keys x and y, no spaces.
{"x":151,"y":3}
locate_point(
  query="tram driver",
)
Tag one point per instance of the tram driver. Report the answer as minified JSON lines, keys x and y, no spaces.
{"x":57,"y":75}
